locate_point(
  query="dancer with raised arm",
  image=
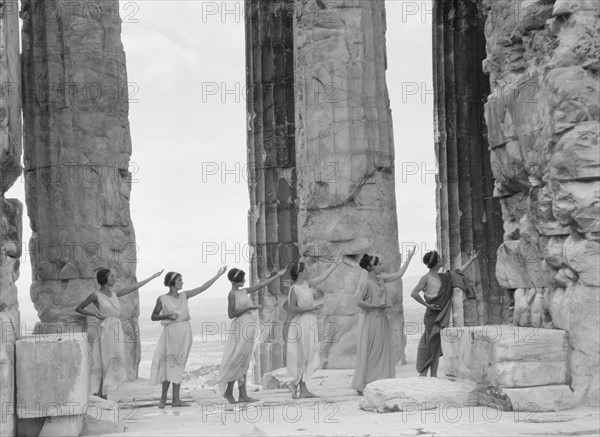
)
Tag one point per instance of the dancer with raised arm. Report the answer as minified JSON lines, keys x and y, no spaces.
{"x":241,"y":336}
{"x":302,"y":340}
{"x":106,"y":339}
{"x":173,"y":348}
{"x":437,"y":297}
{"x":375,"y":356}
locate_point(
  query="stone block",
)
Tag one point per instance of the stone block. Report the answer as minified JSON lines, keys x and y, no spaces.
{"x":526,"y":374}
{"x":573,"y":97}
{"x":577,"y":204}
{"x":541,"y":399}
{"x":519,"y":265}
{"x":583,"y":256}
{"x":52,"y":377}
{"x":417,"y":393}
{"x":7,"y":389}
{"x":506,"y":356}
{"x":576,"y":155}
{"x":584,"y":359}
{"x":563,"y":7}
{"x":62,"y":426}
{"x":30,"y":427}
{"x":275,"y":379}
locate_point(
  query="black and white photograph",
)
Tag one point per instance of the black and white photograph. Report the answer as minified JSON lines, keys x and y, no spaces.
{"x":299,"y":218}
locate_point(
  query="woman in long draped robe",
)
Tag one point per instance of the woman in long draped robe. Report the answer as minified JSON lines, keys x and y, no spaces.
{"x":375,"y":356}
{"x":303,"y":333}
{"x":106,"y":342}
{"x":173,"y":348}
{"x":437,"y":297}
{"x":241,"y":336}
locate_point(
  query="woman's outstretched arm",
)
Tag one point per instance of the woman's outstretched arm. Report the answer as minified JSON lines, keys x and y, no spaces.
{"x":196,"y":291}
{"x":394,"y":276}
{"x":124,"y":291}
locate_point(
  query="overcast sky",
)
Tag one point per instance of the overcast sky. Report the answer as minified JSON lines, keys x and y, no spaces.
{"x":191,"y":221}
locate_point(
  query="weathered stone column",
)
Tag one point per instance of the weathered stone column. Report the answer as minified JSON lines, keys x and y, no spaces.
{"x":271,"y":163}
{"x":543,"y":119}
{"x":345,"y":160}
{"x":11,"y":210}
{"x":77,"y":151}
{"x":469,"y":218}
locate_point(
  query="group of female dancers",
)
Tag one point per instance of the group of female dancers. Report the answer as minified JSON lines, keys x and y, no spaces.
{"x":375,"y":357}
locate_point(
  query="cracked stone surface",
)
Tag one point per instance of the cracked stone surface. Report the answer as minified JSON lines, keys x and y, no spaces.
{"x":543,"y":121}
{"x":77,"y":151}
{"x":344,"y":141}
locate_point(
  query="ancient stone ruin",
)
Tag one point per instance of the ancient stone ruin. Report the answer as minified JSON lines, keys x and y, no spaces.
{"x":542,"y":117}
{"x":517,"y":142}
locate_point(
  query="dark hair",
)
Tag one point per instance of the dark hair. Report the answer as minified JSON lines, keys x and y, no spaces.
{"x":367,"y":262}
{"x":102,"y":276}
{"x":295,"y":269}
{"x":171,"y":277}
{"x":430,"y":259}
{"x":236,"y":275}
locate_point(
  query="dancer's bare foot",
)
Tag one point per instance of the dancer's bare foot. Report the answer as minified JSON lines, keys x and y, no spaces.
{"x":304,"y":393}
{"x":180,"y":404}
{"x":161,"y":404}
{"x":247,"y":399}
{"x":230,"y":398}
{"x":293,"y":389}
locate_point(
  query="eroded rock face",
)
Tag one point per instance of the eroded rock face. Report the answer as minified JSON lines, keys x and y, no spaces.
{"x":11,"y":210}
{"x":344,"y":139}
{"x":77,"y":150}
{"x":543,"y":126}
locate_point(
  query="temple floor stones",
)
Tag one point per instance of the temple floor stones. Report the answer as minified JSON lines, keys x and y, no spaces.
{"x":418,"y":393}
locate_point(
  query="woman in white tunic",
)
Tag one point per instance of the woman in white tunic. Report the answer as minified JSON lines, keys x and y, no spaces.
{"x":303,"y":334}
{"x":175,"y":342}
{"x":106,"y":338}
{"x":241,"y":336}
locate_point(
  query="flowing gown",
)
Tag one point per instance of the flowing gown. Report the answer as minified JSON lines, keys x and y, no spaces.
{"x":106,"y":345}
{"x":303,"y":337}
{"x":239,"y":346}
{"x":375,"y":357}
{"x":175,"y":342}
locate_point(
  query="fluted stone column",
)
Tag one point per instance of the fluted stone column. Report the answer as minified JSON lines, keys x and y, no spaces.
{"x":469,"y":217}
{"x":77,"y":151}
{"x":271,"y":164}
{"x":345,"y":152}
{"x":544,"y":124}
{"x":11,"y":210}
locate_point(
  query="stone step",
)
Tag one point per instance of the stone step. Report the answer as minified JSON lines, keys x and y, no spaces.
{"x":541,"y":399}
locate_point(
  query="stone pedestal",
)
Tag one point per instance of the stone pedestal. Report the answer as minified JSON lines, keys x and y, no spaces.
{"x":506,"y":356}
{"x":524,"y":369}
{"x":52,"y":377}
